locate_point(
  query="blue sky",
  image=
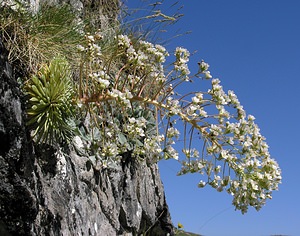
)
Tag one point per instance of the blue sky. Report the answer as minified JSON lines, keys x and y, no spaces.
{"x":254,"y":48}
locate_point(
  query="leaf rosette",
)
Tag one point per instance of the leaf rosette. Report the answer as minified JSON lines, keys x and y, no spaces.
{"x":50,"y":102}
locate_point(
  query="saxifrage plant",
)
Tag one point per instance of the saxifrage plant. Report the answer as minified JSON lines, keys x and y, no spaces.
{"x":232,"y":153}
{"x":132,"y":104}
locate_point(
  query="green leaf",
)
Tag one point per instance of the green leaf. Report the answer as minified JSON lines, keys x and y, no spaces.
{"x":122,"y":139}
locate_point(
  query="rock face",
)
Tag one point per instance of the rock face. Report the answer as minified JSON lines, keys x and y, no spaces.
{"x":44,"y":191}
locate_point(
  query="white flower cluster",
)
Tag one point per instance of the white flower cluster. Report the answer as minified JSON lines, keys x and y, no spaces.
{"x":234,"y":140}
{"x":136,"y":127}
{"x":123,"y":41}
{"x":203,"y":68}
{"x":173,"y":106}
{"x":152,"y":146}
{"x":195,"y":109}
{"x":172,"y":135}
{"x":102,"y":78}
{"x":144,"y":57}
{"x":232,"y":154}
{"x":182,"y":57}
{"x":123,"y":98}
{"x":93,"y":49}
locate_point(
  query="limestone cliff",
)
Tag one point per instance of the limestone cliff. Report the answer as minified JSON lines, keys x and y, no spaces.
{"x":44,"y":191}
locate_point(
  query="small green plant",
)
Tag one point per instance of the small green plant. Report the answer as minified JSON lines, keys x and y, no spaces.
{"x":50,"y":94}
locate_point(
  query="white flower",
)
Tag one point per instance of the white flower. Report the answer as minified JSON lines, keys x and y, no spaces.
{"x":207,"y":75}
{"x":203,"y":66}
{"x":191,"y":110}
{"x":123,"y":40}
{"x":251,"y":118}
{"x":90,"y":38}
{"x":172,"y":132}
{"x":195,"y":99}
{"x":131,"y":50}
{"x":131,"y":120}
{"x":224,"y":154}
{"x":80,"y":48}
{"x":201,"y":184}
{"x":103,"y":82}
{"x":171,"y":152}
{"x":202,"y":112}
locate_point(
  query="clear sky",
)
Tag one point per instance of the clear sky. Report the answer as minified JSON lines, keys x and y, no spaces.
{"x":254,"y":48}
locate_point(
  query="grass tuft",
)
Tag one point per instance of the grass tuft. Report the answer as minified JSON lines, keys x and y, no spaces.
{"x":34,"y":39}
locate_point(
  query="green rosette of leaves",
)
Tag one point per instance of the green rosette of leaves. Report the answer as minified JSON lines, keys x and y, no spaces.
{"x":50,"y":109}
